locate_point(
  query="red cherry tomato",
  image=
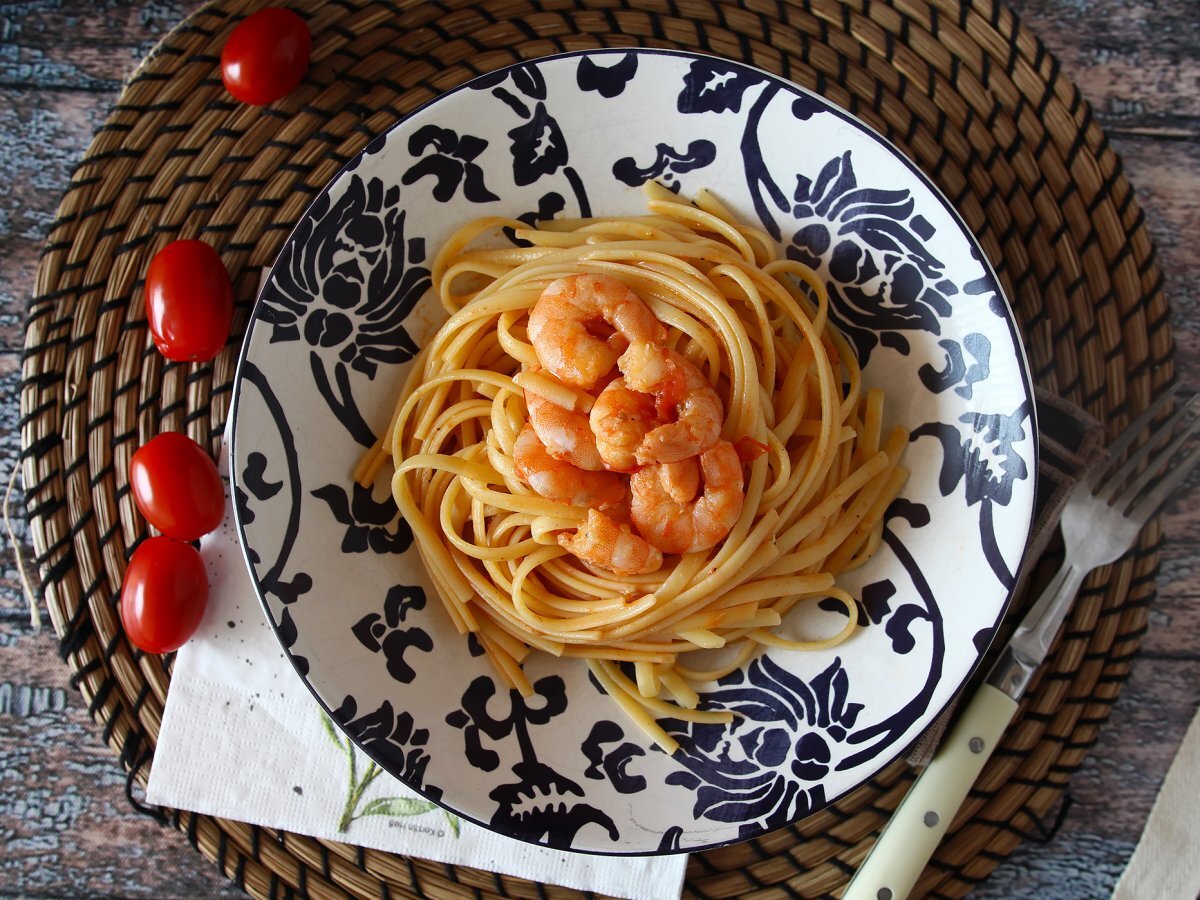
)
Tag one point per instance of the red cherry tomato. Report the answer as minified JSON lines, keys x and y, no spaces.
{"x":163,"y":595}
{"x":176,"y":486}
{"x":189,"y":301}
{"x":265,"y":56}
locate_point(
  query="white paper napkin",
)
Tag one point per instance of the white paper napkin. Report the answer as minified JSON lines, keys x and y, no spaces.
{"x":242,"y":738}
{"x":1165,"y":864}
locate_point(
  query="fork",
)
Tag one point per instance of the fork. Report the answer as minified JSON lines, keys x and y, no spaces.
{"x":1102,"y":518}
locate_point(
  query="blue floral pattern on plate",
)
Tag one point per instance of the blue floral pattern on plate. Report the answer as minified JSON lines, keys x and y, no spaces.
{"x":346,"y":307}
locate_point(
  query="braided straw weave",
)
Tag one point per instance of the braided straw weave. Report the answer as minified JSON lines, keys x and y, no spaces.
{"x":969,"y":94}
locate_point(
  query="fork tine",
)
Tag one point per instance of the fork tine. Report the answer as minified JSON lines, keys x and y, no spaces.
{"x":1144,"y":452}
{"x":1156,"y":498}
{"x":1154,"y":469}
{"x":1132,"y":432}
{"x":1115,"y":481}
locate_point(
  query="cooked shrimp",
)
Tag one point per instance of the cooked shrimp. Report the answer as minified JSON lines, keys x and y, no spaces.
{"x":564,"y":433}
{"x":666,"y":511}
{"x":680,"y":480}
{"x":582,"y":323}
{"x":560,"y":481}
{"x":605,"y":544}
{"x":620,"y":420}
{"x":681,"y":392}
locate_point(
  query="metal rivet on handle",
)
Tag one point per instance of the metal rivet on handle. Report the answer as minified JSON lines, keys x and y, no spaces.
{"x":976,"y":744}
{"x":931,"y":818}
{"x":884,"y":894}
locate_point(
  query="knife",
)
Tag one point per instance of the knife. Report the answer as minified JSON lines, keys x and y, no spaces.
{"x":916,"y":827}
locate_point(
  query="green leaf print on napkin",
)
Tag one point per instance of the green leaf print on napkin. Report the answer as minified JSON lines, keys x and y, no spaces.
{"x":395,"y":807}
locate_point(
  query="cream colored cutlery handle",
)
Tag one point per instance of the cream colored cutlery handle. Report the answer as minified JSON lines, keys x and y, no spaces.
{"x":916,"y":827}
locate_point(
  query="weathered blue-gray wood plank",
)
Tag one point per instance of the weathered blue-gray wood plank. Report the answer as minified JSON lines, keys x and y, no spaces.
{"x":65,"y":827}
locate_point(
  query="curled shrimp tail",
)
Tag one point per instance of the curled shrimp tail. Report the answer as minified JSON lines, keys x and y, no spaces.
{"x":581,"y":324}
{"x":566,"y":434}
{"x":666,"y":511}
{"x":691,"y":408}
{"x":620,"y":419}
{"x":600,"y":541}
{"x":560,"y":481}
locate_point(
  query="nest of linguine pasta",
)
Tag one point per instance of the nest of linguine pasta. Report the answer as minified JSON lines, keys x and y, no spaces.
{"x":756,"y":325}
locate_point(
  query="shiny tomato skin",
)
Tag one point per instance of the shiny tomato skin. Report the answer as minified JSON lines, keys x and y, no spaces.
{"x":266,"y":56}
{"x":176,"y":486}
{"x":189,"y":301}
{"x":163,"y":595}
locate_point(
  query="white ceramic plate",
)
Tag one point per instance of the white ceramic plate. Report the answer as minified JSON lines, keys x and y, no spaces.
{"x":344,"y":310}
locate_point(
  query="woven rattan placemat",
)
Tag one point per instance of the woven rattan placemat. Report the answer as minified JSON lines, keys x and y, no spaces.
{"x":967,"y":92}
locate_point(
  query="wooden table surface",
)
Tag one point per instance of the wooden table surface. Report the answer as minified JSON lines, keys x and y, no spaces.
{"x":65,"y":825}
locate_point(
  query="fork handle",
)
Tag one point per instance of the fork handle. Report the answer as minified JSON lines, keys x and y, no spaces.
{"x":918,"y":824}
